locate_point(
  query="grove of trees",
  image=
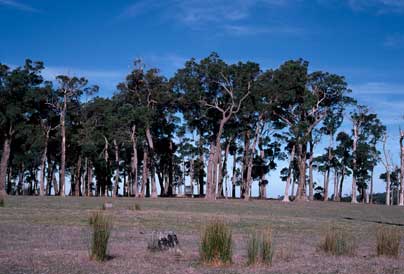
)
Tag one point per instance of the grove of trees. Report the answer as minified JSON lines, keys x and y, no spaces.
{"x":218,"y":128}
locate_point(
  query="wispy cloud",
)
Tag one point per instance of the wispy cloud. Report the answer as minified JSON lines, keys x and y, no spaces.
{"x":378,"y":88}
{"x":195,"y":13}
{"x":394,"y":41}
{"x":382,"y":6}
{"x":18,"y":5}
{"x":383,"y":98}
{"x":243,"y":30}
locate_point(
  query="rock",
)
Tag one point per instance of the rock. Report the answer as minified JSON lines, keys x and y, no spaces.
{"x":163,"y":241}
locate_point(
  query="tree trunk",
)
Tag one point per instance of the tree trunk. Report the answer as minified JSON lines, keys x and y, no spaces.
{"x":9,"y":180}
{"x":134,"y":162}
{"x":116,"y":184}
{"x":244,"y":183}
{"x":388,"y":184}
{"x":301,"y":188}
{"x":341,"y":182}
{"x":63,"y":149}
{"x":336,"y":185}
{"x":209,"y":175}
{"x":201,"y":165}
{"x":370,"y":199}
{"x":191,"y":176}
{"x":4,"y":164}
{"x":311,"y":177}
{"x":144,"y":173}
{"x":78,"y":178}
{"x":401,"y":199}
{"x":152,"y":167}
{"x":223,"y":170}
{"x":90,"y":178}
{"x":234,"y":176}
{"x":326,"y":183}
{"x":288,"y":180}
{"x":169,"y":191}
{"x":263,"y":182}
{"x":54,"y":180}
{"x":355,"y":143}
{"x":20,"y":184}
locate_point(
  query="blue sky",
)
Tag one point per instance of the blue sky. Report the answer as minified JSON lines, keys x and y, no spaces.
{"x":360,"y":39}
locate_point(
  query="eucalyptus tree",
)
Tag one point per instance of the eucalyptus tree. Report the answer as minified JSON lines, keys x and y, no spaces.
{"x":401,"y":198}
{"x":15,"y":84}
{"x":303,"y":101}
{"x":221,"y":89}
{"x":147,"y":92}
{"x":367,"y":130}
{"x":69,"y":91}
{"x":388,"y":165}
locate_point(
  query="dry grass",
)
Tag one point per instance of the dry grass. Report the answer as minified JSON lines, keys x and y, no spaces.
{"x":101,"y":226}
{"x":216,"y":243}
{"x":61,"y":236}
{"x":267,"y":247}
{"x":253,"y":248}
{"x":135,"y":207}
{"x":388,"y":241}
{"x":338,"y":241}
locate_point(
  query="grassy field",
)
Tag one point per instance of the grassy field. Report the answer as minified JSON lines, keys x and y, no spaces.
{"x":51,"y":235}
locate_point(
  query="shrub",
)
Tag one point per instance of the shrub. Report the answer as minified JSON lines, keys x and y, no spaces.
{"x":253,"y":249}
{"x":388,"y":242}
{"x":101,"y":227}
{"x":216,"y":243}
{"x":267,"y":248}
{"x":338,"y":242}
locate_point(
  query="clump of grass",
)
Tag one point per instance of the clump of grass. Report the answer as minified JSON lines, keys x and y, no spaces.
{"x":216,"y":243}
{"x":101,"y":226}
{"x":135,"y":207}
{"x":388,"y":242}
{"x":253,"y":249}
{"x":267,"y":247}
{"x":338,"y":242}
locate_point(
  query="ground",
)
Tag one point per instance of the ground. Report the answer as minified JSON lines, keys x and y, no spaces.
{"x":51,"y":235}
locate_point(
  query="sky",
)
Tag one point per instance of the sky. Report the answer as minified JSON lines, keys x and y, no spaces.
{"x":362,"y":40}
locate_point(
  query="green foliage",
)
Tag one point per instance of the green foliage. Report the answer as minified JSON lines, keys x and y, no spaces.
{"x":338,"y":241}
{"x":101,"y":226}
{"x":388,"y":242}
{"x":216,"y":243}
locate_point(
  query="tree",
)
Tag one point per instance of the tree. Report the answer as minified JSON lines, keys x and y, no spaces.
{"x":15,"y":85}
{"x":69,"y":91}
{"x":303,"y":101}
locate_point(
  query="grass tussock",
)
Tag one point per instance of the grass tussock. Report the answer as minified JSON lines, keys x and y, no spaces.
{"x":338,"y":242}
{"x":267,"y":247}
{"x":260,"y":248}
{"x":216,"y":243}
{"x":101,"y":226}
{"x":253,"y":249}
{"x":135,"y":207}
{"x":388,"y":242}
